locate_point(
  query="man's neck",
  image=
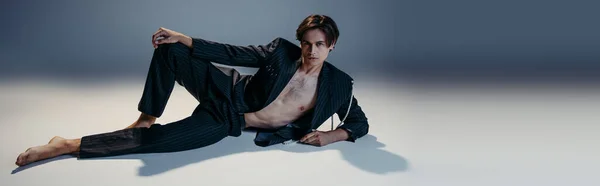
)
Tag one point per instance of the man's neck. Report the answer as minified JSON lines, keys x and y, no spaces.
{"x":310,"y":68}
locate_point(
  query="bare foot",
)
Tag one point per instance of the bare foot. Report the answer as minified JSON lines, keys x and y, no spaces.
{"x":56,"y":147}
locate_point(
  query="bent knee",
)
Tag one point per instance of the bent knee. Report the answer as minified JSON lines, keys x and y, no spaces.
{"x":174,"y":50}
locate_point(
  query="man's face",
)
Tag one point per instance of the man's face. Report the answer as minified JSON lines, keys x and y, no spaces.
{"x":314,"y":48}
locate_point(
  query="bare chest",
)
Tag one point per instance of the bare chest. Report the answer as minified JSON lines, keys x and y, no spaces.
{"x":300,"y":92}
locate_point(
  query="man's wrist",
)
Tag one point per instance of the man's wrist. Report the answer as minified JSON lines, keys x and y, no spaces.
{"x":339,"y":135}
{"x":186,"y":40}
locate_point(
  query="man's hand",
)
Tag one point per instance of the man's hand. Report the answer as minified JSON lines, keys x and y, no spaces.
{"x":163,"y":35}
{"x":320,"y":138}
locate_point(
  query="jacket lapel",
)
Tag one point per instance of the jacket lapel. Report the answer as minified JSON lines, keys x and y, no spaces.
{"x":323,"y":92}
{"x":282,"y":80}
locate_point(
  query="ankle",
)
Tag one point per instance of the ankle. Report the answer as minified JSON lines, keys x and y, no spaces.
{"x":72,"y":145}
{"x":141,"y":121}
{"x":146,"y":118}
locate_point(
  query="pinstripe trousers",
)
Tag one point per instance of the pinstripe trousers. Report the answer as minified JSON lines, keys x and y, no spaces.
{"x":212,"y":120}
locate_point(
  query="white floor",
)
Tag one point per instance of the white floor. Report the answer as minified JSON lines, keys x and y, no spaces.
{"x":421,"y":134}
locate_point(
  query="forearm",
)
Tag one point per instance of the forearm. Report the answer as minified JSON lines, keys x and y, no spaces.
{"x":356,"y":122}
{"x":186,"y":40}
{"x":228,"y":54}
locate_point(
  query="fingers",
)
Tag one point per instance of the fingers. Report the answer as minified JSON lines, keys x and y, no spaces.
{"x":307,"y":136}
{"x":314,"y":138}
{"x":154,"y":37}
{"x":158,"y":37}
{"x":165,"y":40}
{"x":161,"y":32}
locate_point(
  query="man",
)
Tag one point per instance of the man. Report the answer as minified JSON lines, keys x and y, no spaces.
{"x":294,"y":91}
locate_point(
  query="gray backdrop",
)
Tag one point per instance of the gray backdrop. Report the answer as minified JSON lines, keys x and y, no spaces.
{"x":379,"y":38}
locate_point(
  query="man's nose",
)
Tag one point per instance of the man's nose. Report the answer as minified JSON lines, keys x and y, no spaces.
{"x":313,"y":49}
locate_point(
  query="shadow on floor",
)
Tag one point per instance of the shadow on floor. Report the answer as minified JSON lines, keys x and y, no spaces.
{"x":41,"y":162}
{"x":364,"y":154}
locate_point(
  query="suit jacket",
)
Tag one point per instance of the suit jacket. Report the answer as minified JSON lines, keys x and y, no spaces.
{"x":277,"y":61}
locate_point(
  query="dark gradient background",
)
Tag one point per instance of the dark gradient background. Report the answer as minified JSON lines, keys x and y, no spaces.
{"x":468,"y":39}
{"x":457,"y":92}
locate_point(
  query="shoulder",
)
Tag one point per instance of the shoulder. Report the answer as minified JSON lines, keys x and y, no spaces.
{"x":284,"y":47}
{"x":282,"y":40}
{"x":337,"y":73}
{"x":284,"y":43}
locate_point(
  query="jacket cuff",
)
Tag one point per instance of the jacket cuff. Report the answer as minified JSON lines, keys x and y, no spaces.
{"x":351,"y":135}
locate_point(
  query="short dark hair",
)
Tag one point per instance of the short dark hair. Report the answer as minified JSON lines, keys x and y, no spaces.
{"x":321,"y":22}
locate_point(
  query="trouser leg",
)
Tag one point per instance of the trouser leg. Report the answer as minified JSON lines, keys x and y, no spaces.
{"x":172,"y":63}
{"x":205,"y":127}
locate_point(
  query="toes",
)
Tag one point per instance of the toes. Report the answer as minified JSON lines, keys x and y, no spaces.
{"x":21,"y":159}
{"x":25,"y":159}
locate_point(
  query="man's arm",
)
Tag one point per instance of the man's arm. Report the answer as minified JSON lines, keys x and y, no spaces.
{"x":320,"y":138}
{"x":354,"y":127}
{"x":356,"y":124}
{"x":226,"y":54}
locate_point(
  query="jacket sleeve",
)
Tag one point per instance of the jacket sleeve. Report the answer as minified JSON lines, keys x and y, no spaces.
{"x":233,"y":55}
{"x":356,"y":123}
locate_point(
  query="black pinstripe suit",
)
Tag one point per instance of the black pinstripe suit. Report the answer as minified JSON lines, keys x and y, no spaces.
{"x":219,"y":113}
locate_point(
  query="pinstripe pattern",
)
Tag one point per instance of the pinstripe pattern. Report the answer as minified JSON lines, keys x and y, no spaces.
{"x":219,"y":113}
{"x":172,"y":63}
{"x":196,"y":131}
{"x":210,"y":122}
{"x":335,"y":99}
{"x":277,"y":62}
